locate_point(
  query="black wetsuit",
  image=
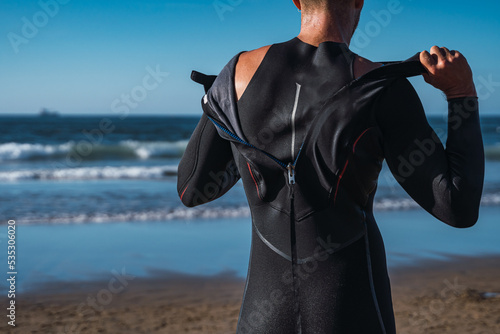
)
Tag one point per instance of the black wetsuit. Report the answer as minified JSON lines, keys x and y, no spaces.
{"x":308,"y":141}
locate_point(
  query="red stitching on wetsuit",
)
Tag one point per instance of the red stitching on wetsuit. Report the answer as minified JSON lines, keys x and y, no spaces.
{"x":340,"y":178}
{"x":184,"y":191}
{"x":356,"y":142}
{"x":347,"y":163}
{"x":253,"y":178}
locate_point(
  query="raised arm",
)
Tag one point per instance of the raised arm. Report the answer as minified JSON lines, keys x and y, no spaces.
{"x":446,"y":182}
{"x":207,"y":169}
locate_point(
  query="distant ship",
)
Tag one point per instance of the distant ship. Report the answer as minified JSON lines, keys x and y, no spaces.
{"x":44,"y":112}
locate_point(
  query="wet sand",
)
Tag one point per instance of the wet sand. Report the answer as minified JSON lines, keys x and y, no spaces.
{"x":435,"y":297}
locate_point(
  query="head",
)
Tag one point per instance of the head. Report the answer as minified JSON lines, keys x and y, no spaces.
{"x":343,"y":13}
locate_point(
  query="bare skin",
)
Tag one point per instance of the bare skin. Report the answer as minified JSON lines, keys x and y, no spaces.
{"x":447,"y":70}
{"x":248,"y":63}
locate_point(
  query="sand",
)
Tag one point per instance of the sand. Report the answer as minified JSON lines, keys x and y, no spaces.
{"x":435,"y":297}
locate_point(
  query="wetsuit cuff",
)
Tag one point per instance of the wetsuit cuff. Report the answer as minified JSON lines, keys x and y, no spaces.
{"x":463,"y":113}
{"x":463,"y":106}
{"x":462,"y":99}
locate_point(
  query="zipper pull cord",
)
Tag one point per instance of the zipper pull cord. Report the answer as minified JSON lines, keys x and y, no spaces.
{"x":291,"y":167}
{"x":291,"y":173}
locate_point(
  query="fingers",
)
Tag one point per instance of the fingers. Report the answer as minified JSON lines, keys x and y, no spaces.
{"x":428,"y":61}
{"x":437,"y":57}
{"x":447,"y":54}
{"x":438,"y":53}
{"x":442,"y":54}
{"x":448,"y":71}
{"x":426,"y":58}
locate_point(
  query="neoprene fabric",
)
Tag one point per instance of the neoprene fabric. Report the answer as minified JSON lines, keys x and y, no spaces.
{"x":317,"y":261}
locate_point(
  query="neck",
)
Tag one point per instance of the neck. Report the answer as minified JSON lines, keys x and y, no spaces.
{"x":319,"y":27}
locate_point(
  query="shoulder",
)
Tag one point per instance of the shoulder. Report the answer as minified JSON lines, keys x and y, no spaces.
{"x":362,"y":66}
{"x":252,"y":58}
{"x":247,"y":65}
{"x":399,"y":103}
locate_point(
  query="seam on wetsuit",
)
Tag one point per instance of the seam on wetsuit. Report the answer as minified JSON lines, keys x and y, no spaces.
{"x":184,"y":191}
{"x":294,"y":113}
{"x":347,"y":163}
{"x":241,"y":141}
{"x":269,"y":244}
{"x":328,"y":251}
{"x":246,"y":287}
{"x":357,"y":140}
{"x":253,"y":178}
{"x":340,"y":179}
{"x":255,"y":74}
{"x":370,"y":278}
{"x":195,"y":164}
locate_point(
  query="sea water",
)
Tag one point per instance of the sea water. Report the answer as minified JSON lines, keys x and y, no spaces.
{"x":95,"y":194}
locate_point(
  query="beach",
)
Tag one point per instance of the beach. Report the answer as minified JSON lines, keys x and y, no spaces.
{"x":189,"y":276}
{"x":453,"y":296}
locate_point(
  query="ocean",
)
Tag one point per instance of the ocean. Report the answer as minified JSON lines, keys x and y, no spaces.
{"x":91,"y":194}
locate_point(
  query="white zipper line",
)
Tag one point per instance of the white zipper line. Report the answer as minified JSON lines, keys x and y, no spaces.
{"x":294,"y":112}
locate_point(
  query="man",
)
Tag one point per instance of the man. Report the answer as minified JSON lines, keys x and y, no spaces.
{"x":306,"y":124}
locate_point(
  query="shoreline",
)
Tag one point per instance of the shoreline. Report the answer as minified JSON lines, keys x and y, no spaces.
{"x":437,"y":296}
{"x":90,"y":252}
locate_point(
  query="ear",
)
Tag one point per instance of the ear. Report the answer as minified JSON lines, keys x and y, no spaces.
{"x":358,"y":4}
{"x":297,"y":4}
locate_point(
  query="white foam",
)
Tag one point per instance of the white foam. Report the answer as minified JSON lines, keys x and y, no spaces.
{"x":147,"y":150}
{"x":203,"y":212}
{"x":124,"y":149}
{"x":90,"y":173}
{"x":390,"y":204}
{"x":18,"y":151}
{"x":492,"y":152}
{"x":490,"y":199}
{"x":167,"y":215}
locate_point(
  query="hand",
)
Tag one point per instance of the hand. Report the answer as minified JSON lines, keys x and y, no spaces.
{"x":449,"y":72}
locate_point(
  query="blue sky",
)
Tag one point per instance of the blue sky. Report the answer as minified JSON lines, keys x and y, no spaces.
{"x":99,"y":57}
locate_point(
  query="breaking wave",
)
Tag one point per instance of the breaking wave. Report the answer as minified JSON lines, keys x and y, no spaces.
{"x":85,"y":150}
{"x":91,"y":173}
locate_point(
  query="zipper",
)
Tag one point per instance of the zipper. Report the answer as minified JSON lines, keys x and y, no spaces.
{"x":238,"y":139}
{"x":293,"y":245}
{"x":290,"y":175}
{"x":290,"y":171}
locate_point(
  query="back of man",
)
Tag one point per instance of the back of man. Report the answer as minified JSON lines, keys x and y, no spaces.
{"x":307,"y":133}
{"x":317,"y":263}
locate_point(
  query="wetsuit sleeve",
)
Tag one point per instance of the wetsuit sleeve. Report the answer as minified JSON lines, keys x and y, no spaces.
{"x":207,"y":169}
{"x":447,"y":182}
